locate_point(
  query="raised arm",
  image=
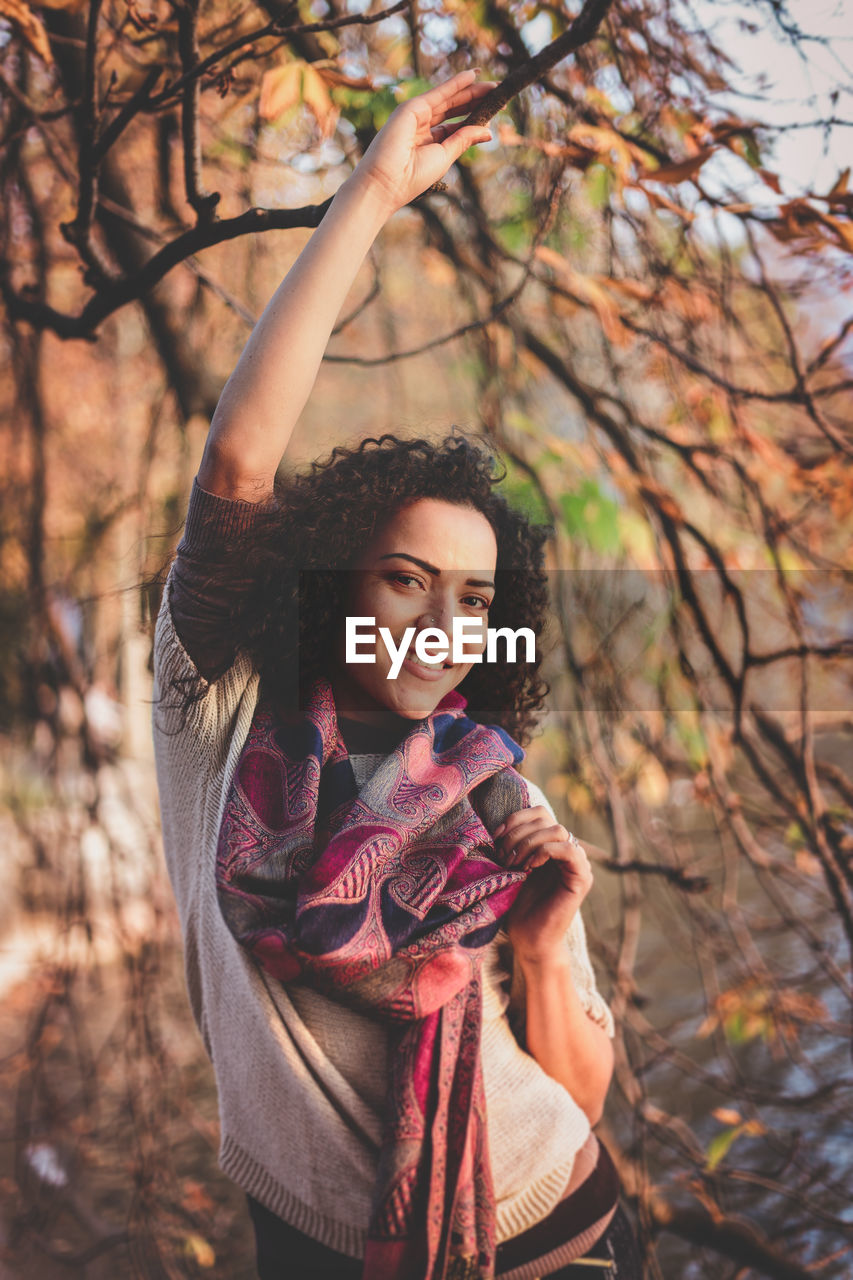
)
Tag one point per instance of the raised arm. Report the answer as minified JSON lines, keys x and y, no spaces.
{"x":268,"y":389}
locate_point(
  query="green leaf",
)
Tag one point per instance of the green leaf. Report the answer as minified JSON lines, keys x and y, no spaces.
{"x":412,"y":87}
{"x":590,"y":515}
{"x":523,"y":495}
{"x":750,"y":147}
{"x":598,"y":184}
{"x":718,"y":1147}
{"x":366,"y":108}
{"x":736,"y":1029}
{"x":693,"y":741}
{"x":638,"y":540}
{"x":515,"y":234}
{"x":518,"y":227}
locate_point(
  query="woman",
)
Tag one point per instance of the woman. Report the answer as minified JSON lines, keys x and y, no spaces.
{"x":345,"y":846}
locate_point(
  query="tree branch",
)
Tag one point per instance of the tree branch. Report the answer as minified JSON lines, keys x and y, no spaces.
{"x":204,"y":202}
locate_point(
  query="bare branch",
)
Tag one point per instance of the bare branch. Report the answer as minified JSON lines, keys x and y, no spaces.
{"x":204,"y":202}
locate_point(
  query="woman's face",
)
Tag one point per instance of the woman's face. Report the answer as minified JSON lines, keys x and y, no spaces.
{"x":431,"y":562}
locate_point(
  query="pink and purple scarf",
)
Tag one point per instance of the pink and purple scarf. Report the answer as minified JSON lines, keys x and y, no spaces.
{"x":385,"y":897}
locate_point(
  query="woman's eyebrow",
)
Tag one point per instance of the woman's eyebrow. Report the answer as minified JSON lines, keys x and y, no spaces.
{"x":430,"y":568}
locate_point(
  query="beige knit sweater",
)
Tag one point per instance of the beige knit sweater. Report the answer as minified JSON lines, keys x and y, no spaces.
{"x":301,"y":1079}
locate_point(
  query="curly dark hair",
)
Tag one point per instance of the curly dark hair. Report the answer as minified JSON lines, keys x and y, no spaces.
{"x":319,"y":525}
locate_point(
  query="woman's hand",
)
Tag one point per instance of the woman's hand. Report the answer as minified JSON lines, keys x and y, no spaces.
{"x":267,"y":391}
{"x":559,"y":880}
{"x":568,"y":1045}
{"x":417,"y":145}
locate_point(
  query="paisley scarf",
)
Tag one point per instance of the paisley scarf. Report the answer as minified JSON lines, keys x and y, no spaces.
{"x":385,"y":898}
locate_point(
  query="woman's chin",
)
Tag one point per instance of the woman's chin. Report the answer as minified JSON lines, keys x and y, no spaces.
{"x":416,"y":705}
{"x":416,"y":699}
{"x":409,"y":696}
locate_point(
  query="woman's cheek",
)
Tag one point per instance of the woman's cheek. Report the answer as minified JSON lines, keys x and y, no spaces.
{"x":461,"y":672}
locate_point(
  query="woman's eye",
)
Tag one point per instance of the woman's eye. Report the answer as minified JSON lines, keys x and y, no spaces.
{"x":409,"y":579}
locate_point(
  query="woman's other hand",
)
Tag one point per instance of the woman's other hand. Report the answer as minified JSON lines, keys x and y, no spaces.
{"x":418,"y":143}
{"x":559,"y":880}
{"x":563,"y":1038}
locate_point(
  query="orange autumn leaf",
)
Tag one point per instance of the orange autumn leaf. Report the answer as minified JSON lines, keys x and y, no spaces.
{"x":679,"y":171}
{"x":733,"y":127}
{"x":694,"y":303}
{"x":656,"y":496}
{"x":610,"y":147}
{"x":580,"y":156}
{"x":316,"y":97}
{"x":589,"y":290}
{"x":634,"y":289}
{"x":200,"y":1250}
{"x":330,"y":74}
{"x":800,"y":220}
{"x":661,"y":202}
{"x":281,"y":89}
{"x":297,"y":82}
{"x":841,"y":184}
{"x":726,"y":1115}
{"x":29,"y":27}
{"x":843,"y":232}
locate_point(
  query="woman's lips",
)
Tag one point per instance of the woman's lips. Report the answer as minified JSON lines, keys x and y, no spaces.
{"x":423,"y":673}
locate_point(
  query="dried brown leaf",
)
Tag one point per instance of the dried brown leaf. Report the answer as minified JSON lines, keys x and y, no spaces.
{"x":680,"y":171}
{"x":297,"y":82}
{"x":590,"y":290}
{"x":281,"y":88}
{"x":841,"y":185}
{"x":29,"y":27}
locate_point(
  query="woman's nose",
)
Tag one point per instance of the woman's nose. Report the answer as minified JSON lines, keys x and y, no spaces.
{"x":435,"y":617}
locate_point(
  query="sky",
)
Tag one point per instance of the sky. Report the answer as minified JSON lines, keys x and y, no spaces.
{"x":777,"y":85}
{"x":794,"y":84}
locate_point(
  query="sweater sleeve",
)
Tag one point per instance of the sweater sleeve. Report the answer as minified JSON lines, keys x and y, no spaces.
{"x":203,"y":599}
{"x":583,"y":974}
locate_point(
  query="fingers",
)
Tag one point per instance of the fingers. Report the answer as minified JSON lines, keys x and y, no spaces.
{"x":433,"y":111}
{"x":567,"y":862}
{"x":442,"y":93}
{"x":532,"y":846}
{"x":524,"y":829}
{"x":441,"y":132}
{"x":523,"y":818}
{"x":529,"y":838}
{"x":462,"y":101}
{"x":461,"y":140}
{"x":451,"y":98}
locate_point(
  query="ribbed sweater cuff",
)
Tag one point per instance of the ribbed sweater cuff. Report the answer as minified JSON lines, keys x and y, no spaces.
{"x":213,"y":520}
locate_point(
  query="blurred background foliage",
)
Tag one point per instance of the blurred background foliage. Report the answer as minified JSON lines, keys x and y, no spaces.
{"x":647,"y":313}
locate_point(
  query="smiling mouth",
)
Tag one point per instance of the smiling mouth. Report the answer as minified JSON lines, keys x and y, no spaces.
{"x":411,"y":656}
{"x":434,"y":667}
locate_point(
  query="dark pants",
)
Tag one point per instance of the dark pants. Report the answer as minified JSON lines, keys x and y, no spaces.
{"x":286,"y":1254}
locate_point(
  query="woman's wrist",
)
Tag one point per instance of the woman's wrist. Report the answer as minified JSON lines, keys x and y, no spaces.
{"x":360,"y":193}
{"x":547,"y":959}
{"x":539,"y":949}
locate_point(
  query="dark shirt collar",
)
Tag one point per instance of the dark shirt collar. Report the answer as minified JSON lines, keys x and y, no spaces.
{"x":370,"y":739}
